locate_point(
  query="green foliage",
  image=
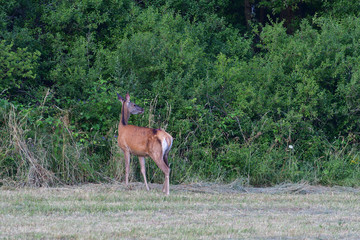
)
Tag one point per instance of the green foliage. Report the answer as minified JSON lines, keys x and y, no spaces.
{"x":17,"y":67}
{"x":242,"y":101}
{"x":341,"y":8}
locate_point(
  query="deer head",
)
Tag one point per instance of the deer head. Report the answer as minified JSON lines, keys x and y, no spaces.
{"x":130,"y":107}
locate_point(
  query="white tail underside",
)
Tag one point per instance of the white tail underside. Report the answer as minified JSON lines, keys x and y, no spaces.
{"x":164,"y":146}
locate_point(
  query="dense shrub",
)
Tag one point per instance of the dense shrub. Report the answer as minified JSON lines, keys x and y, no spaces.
{"x":243,"y":100}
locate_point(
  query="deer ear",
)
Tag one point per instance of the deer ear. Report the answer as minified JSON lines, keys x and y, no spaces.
{"x":127,"y":97}
{"x":120,"y":97}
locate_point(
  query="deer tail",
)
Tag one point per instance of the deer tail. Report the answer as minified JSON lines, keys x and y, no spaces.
{"x":166,"y":144}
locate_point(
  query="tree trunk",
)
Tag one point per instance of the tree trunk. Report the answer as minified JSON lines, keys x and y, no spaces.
{"x":247,"y":12}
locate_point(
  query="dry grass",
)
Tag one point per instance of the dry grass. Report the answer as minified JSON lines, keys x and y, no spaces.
{"x":31,"y":170}
{"x":196,"y":211}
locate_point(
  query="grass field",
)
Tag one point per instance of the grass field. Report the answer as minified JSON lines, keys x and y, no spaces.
{"x":195,"y":211}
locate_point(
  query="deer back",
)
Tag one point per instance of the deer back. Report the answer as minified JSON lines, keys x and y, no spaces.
{"x":142,"y":141}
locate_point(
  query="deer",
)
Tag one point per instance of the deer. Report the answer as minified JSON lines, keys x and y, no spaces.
{"x":143,"y":142}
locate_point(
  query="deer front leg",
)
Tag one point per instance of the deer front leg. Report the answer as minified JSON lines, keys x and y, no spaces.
{"x":143,"y":171}
{"x":127,"y":167}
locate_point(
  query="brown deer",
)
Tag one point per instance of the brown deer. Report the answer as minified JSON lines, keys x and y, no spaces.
{"x":143,"y":142}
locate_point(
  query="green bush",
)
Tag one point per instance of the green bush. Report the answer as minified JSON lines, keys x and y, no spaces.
{"x":243,"y":100}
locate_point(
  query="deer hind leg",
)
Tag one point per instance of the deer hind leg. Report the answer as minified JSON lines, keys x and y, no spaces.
{"x":166,"y":171}
{"x":158,"y":159}
{"x":143,"y":171}
{"x":166,"y":182}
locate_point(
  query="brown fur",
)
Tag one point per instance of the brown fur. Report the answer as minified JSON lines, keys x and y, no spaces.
{"x":143,"y":142}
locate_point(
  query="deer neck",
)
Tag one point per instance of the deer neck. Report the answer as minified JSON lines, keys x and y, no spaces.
{"x":125,"y":114}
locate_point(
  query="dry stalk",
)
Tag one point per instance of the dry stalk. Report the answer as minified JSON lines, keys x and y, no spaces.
{"x":37,"y":175}
{"x":152,"y":108}
{"x":167,"y":118}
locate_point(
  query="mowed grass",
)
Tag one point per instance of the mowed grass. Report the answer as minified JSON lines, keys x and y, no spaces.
{"x":190,"y":212}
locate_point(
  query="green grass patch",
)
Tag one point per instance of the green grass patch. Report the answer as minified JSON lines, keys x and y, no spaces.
{"x":190,"y":212}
